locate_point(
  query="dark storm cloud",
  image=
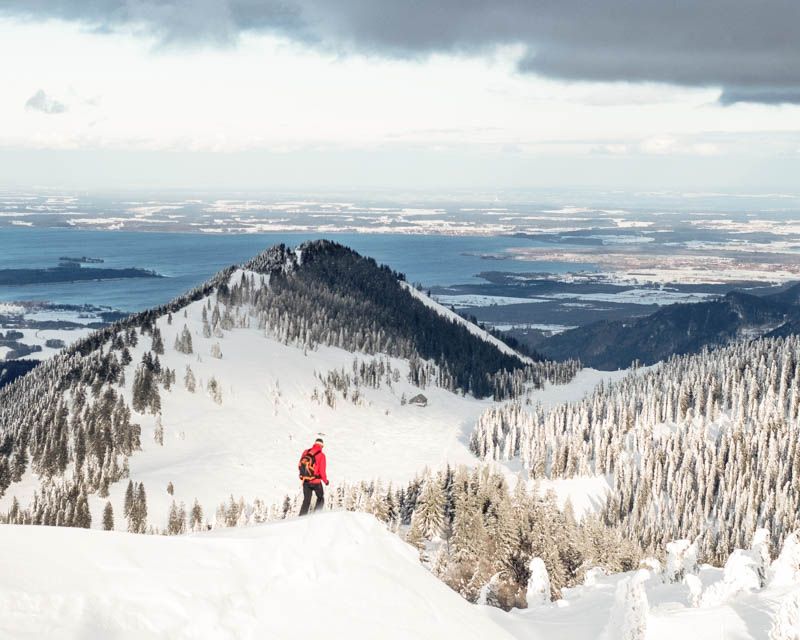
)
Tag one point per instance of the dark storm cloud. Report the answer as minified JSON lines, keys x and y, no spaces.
{"x":40,"y":101}
{"x":171,"y":21}
{"x":749,"y":48}
{"x":766,"y":95}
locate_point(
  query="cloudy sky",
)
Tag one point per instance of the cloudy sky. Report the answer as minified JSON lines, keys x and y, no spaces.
{"x":400,"y":94}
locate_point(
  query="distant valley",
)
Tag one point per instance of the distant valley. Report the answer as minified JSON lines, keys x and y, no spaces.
{"x":678,"y":329}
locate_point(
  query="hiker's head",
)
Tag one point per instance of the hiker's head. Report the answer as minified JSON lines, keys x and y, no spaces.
{"x":319,"y":442}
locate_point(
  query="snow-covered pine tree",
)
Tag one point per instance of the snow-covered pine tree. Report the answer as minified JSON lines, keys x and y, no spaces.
{"x":196,"y":516}
{"x":429,"y":512}
{"x":183,"y":341}
{"x":628,"y":618}
{"x":538,"y":589}
{"x":214,"y":390}
{"x":189,"y":380}
{"x":108,"y":517}
{"x":157,"y":345}
{"x":158,"y":432}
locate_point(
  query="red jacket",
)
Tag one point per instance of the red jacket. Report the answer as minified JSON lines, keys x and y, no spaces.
{"x":319,"y":464}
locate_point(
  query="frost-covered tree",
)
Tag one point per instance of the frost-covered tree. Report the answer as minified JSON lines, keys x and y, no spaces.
{"x":786,"y":625}
{"x":176,"y":519}
{"x":183,"y":341}
{"x":650,"y":432}
{"x":129,"y":497}
{"x":628,"y":618}
{"x":538,"y":591}
{"x":681,"y":560}
{"x":214,"y":390}
{"x":157,"y":345}
{"x":189,"y":380}
{"x":415,"y":536}
{"x":430,"y":508}
{"x":785,"y":570}
{"x":759,"y":550}
{"x":196,"y":516}
{"x":158,"y":431}
{"x":739,"y":576}
{"x":137,"y":516}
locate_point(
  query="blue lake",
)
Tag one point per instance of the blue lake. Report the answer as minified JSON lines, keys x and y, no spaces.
{"x":188,"y":259}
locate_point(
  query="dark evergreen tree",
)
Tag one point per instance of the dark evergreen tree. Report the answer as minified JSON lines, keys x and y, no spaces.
{"x":108,"y":517}
{"x":157,"y":342}
{"x":129,"y":498}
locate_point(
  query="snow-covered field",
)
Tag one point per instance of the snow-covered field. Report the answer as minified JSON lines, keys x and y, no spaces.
{"x":584,"y":382}
{"x":28,"y":314}
{"x":337,"y":575}
{"x":8,"y":308}
{"x":478,"y":300}
{"x":659,"y":297}
{"x":344,"y":575}
{"x":41,"y":336}
{"x":549,"y":329}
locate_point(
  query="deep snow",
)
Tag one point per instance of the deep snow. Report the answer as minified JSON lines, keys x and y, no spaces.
{"x":337,"y":575}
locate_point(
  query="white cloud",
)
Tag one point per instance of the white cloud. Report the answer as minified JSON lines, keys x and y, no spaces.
{"x":40,"y":101}
{"x":272,"y":95}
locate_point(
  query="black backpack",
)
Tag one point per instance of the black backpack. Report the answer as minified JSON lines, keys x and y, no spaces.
{"x":308,"y":466}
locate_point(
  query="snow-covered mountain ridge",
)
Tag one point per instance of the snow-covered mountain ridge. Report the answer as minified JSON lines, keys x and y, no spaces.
{"x":216,"y":393}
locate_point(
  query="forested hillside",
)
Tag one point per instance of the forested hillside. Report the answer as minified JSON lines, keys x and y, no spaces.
{"x":702,"y":446}
{"x":677,"y":330}
{"x":73,"y":423}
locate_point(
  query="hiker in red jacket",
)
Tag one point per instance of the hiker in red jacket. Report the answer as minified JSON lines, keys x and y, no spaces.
{"x":312,"y":475}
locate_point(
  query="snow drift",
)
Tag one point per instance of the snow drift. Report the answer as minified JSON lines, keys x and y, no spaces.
{"x":341,"y":572}
{"x":342,"y":575}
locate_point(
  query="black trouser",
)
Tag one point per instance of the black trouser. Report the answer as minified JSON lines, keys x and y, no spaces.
{"x":308,"y":489}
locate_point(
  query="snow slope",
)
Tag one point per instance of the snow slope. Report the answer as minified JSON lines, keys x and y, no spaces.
{"x":342,"y":575}
{"x":248,"y":446}
{"x":473,"y":329}
{"x":337,"y":575}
